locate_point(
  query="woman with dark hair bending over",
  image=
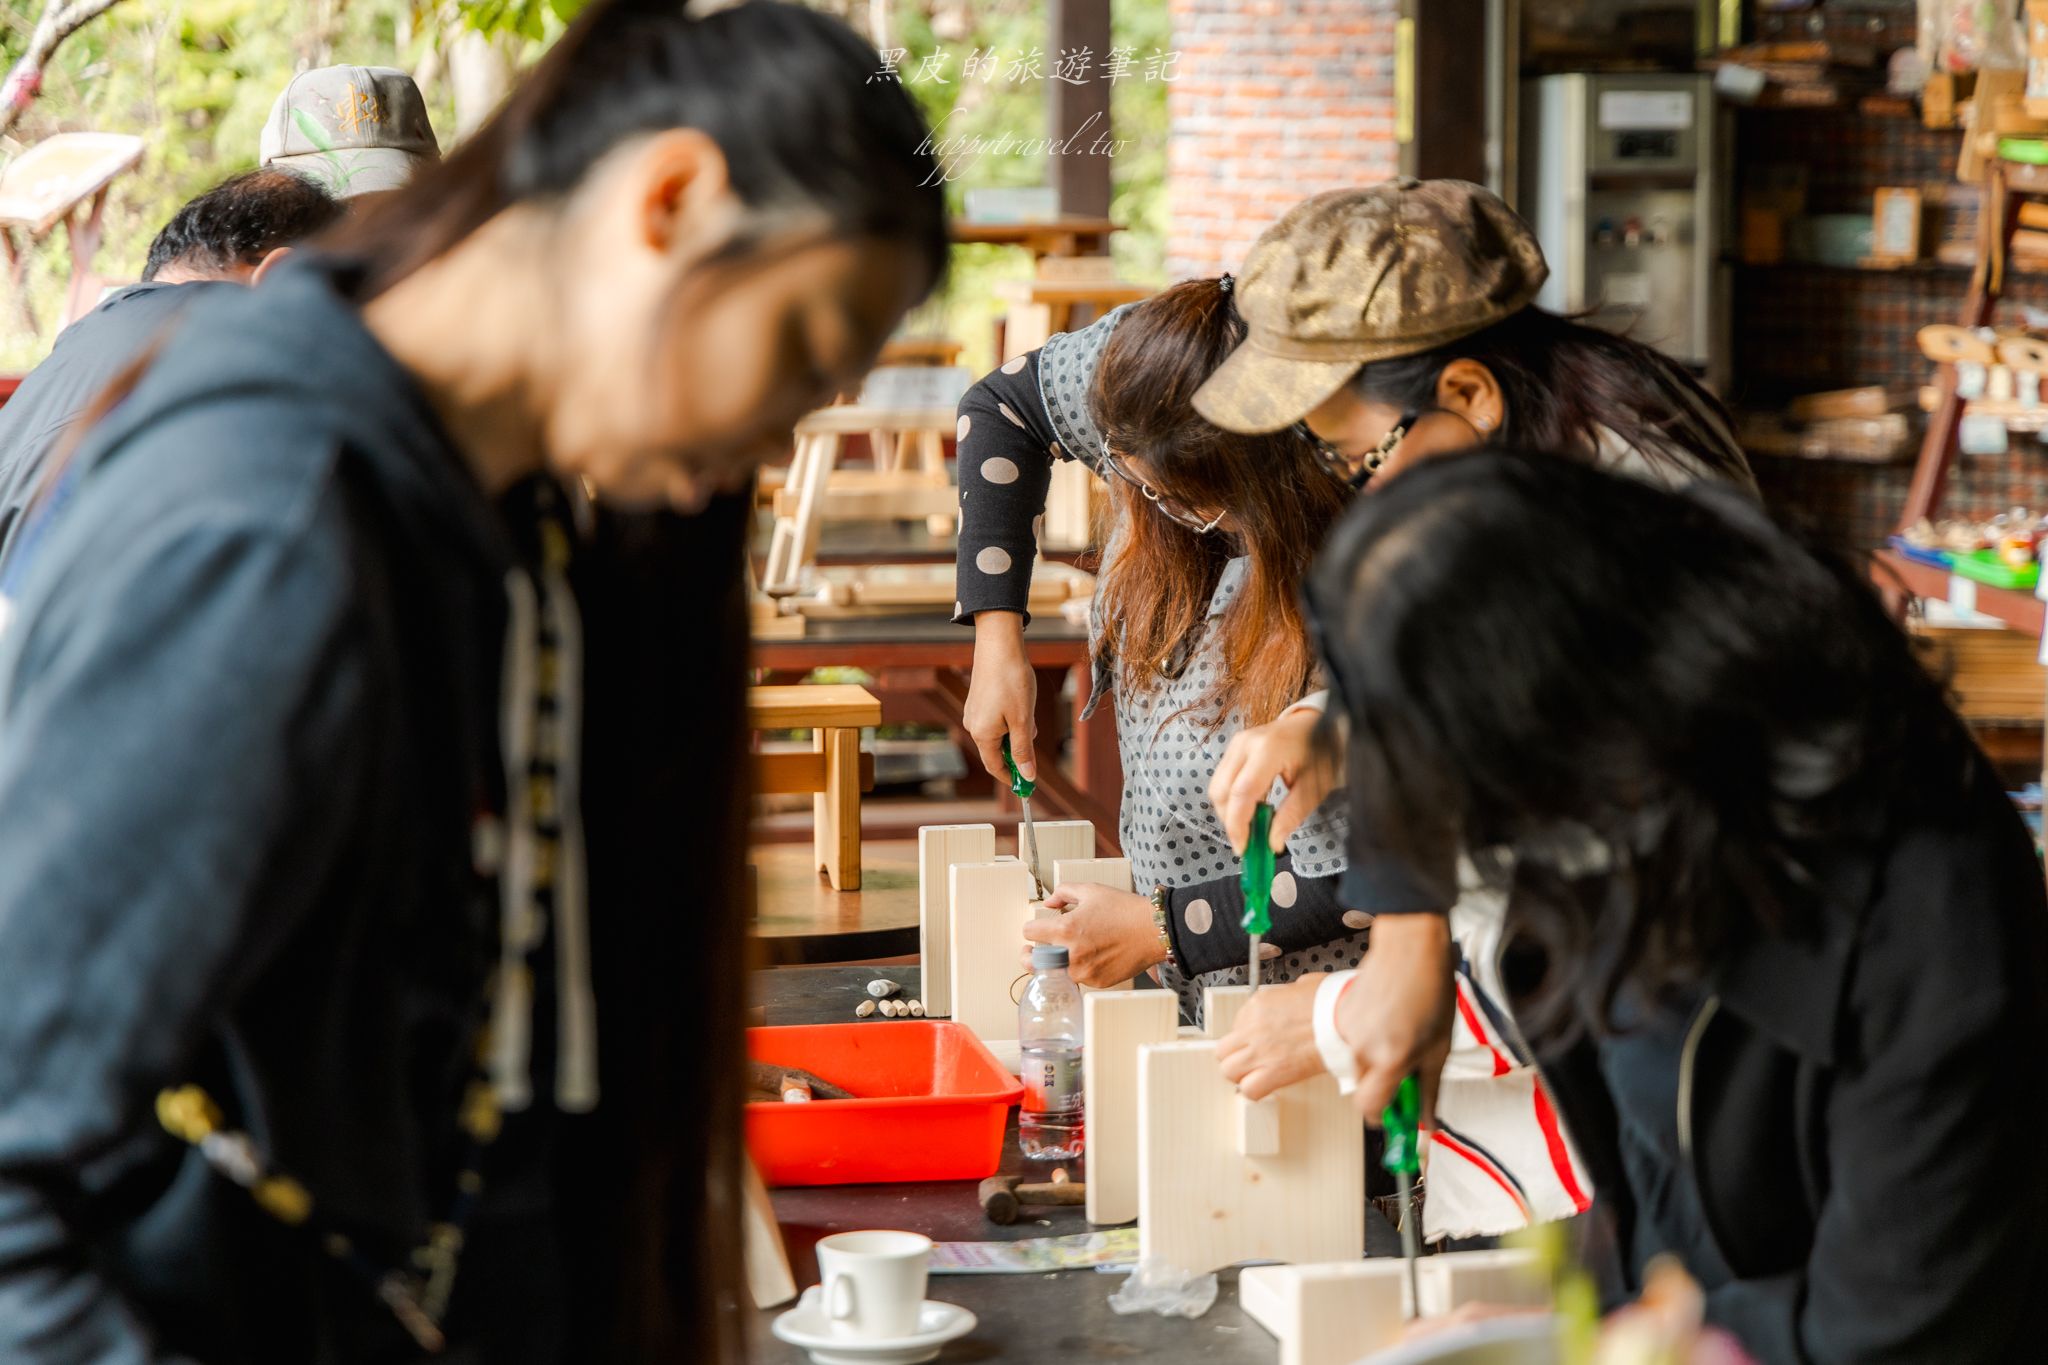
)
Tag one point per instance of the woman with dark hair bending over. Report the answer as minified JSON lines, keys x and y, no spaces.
{"x":342,"y":907}
{"x":1774,"y":931}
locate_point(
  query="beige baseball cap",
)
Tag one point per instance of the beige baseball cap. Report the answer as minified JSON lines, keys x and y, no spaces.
{"x":351,"y":129}
{"x":1354,"y":276}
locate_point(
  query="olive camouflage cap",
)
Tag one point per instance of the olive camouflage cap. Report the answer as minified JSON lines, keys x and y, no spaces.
{"x":350,"y":129}
{"x":1354,"y":276}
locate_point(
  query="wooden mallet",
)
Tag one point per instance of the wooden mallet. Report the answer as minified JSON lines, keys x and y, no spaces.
{"x":1002,"y":1196}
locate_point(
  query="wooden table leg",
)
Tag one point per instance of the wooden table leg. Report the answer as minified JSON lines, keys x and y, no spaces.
{"x":836,"y":810}
{"x":17,"y":276}
{"x":82,"y":233}
{"x":1098,"y":762}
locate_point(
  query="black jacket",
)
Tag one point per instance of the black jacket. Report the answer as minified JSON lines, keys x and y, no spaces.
{"x":1861,"y":1110}
{"x":37,"y":420}
{"x":248,"y":720}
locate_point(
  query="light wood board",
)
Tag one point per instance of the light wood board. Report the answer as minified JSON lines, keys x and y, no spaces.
{"x":1203,"y":1204}
{"x":1118,"y":1023}
{"x":938,"y":848}
{"x":988,"y":906}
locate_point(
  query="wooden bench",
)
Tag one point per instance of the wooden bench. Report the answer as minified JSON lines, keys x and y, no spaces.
{"x":813,"y":493}
{"x":836,"y":771}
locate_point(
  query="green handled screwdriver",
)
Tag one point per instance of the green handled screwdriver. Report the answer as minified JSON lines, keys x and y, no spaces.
{"x":1021,"y":787}
{"x":1255,"y":880}
{"x":1403,"y":1123}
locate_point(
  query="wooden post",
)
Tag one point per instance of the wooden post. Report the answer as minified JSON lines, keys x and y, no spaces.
{"x":836,"y":809}
{"x":1079,"y":111}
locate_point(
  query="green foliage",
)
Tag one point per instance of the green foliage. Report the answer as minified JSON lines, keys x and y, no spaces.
{"x":526,"y":18}
{"x":196,"y":79}
{"x":967,"y":307}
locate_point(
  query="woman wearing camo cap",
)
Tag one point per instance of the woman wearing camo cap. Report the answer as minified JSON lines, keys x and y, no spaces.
{"x":1399,"y":323}
{"x":1382,"y":324}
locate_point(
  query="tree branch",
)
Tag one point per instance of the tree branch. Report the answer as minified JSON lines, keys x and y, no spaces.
{"x":59,"y":21}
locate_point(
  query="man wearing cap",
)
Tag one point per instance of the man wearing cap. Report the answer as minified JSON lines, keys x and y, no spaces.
{"x":351,"y":129}
{"x":228,"y":236}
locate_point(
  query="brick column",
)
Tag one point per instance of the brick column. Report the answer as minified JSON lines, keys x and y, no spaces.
{"x":1276,"y":100}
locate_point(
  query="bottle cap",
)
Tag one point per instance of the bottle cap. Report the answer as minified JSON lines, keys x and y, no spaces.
{"x":1044,"y":955}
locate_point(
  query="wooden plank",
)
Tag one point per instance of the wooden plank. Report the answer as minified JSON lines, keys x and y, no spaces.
{"x":989,"y":905}
{"x":809,"y":705}
{"x":938,"y":848}
{"x":1113,"y":872}
{"x":799,"y":774}
{"x":1203,"y":1205}
{"x":1221,"y":1006}
{"x":768,"y":1276}
{"x":1507,"y":1276}
{"x":1117,"y":1024}
{"x":1256,"y":1123}
{"x":875,"y":504}
{"x":1328,"y":1314}
{"x":1060,"y":841}
{"x":850,"y":419}
{"x":837,"y":807}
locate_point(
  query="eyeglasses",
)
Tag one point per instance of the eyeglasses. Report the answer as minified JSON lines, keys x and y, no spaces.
{"x":1357,"y":472}
{"x":1168,"y":507}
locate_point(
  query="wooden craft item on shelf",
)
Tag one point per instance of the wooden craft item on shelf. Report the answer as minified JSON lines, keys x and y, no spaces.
{"x":1896,"y":216}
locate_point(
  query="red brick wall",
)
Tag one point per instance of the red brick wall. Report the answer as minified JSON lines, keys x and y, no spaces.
{"x":1276,"y":100}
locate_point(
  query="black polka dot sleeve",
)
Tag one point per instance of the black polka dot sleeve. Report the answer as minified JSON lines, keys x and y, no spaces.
{"x":1206,"y":920}
{"x":1006,"y":448}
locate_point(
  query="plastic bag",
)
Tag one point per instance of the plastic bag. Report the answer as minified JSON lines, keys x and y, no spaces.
{"x":1156,"y":1287}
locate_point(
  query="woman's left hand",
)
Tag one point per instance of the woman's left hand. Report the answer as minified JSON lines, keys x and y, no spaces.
{"x":1108,"y":934}
{"x":1274,"y":1042}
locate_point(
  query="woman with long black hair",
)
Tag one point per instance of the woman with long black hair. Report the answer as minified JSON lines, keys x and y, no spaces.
{"x":1775,"y":933}
{"x":366,"y":794}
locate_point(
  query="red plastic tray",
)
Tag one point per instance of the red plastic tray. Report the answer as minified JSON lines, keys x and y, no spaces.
{"x":933,"y":1104}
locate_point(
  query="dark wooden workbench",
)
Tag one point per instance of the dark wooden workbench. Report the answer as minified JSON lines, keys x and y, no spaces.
{"x":919,"y":667}
{"x":1064,"y":1316}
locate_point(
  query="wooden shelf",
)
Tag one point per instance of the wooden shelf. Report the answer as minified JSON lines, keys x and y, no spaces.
{"x":2021,"y":611}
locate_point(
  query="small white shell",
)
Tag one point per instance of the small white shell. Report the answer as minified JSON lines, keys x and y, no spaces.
{"x":895,"y":1009}
{"x":881,"y":988}
{"x":917,"y":1009}
{"x":863,"y":1009}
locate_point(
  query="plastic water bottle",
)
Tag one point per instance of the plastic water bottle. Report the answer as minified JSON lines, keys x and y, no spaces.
{"x":1049,"y":1124}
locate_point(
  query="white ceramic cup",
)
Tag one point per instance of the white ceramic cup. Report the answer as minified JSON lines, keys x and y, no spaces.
{"x":873,"y":1283}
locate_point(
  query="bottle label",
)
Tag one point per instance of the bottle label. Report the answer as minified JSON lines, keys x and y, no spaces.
{"x":1052,"y":1082}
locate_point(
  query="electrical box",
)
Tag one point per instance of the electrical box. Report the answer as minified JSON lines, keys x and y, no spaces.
{"x":1621,"y":179}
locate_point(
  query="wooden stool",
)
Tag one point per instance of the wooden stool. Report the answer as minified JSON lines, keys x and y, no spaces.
{"x":836,"y":770}
{"x":813,"y":492}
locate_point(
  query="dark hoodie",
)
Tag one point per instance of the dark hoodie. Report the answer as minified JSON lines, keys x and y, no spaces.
{"x":248,"y":710}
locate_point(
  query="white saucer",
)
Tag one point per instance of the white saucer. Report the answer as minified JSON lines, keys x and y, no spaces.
{"x":807,"y":1326}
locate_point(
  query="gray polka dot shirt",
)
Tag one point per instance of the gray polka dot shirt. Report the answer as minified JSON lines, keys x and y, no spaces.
{"x":1007,"y":442}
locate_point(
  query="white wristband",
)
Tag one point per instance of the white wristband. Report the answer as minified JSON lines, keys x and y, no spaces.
{"x":1336,"y":1053}
{"x":1314,"y":701}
